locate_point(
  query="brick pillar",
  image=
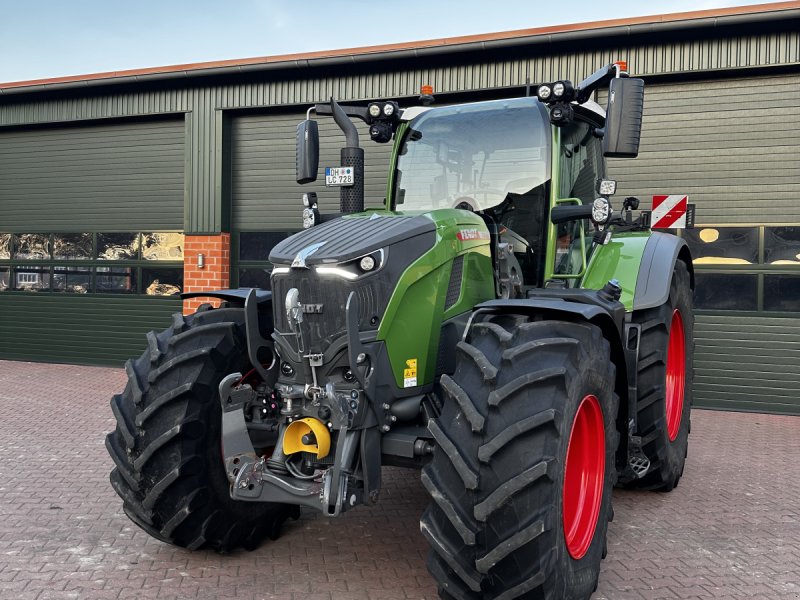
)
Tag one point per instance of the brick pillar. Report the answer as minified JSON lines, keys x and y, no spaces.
{"x":214,"y":275}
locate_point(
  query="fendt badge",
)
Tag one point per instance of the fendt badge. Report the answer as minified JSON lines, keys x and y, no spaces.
{"x":312,"y":309}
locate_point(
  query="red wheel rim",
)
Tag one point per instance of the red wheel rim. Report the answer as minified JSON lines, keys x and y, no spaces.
{"x":584,"y":476}
{"x":676,"y":375}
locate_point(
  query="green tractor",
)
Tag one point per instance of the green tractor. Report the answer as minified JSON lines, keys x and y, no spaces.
{"x":497,"y":325}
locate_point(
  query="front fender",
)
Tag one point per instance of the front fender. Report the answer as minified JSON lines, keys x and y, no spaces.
{"x":238,"y":295}
{"x":258,"y":326}
{"x":574,"y":305}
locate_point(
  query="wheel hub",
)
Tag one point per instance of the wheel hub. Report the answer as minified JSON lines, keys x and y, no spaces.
{"x":676,"y":375}
{"x":584,"y":476}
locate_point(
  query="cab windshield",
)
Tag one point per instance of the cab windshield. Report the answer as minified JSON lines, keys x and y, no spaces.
{"x":473,"y":156}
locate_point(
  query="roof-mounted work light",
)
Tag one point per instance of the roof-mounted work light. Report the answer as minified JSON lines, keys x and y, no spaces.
{"x":563,"y":91}
{"x":544,"y":92}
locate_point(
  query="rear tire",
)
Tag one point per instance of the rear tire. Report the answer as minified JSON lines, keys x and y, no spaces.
{"x":497,"y":523}
{"x":664,"y":409}
{"x":166,"y":446}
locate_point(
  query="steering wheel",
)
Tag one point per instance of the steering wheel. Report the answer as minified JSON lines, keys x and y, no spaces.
{"x":471,"y":198}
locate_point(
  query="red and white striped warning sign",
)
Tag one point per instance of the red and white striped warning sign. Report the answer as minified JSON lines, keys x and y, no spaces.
{"x":669,"y":212}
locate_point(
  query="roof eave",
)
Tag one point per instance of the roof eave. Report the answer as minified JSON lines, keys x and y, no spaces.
{"x":707,"y":19}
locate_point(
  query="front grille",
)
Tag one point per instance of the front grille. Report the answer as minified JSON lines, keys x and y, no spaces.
{"x":320,"y":329}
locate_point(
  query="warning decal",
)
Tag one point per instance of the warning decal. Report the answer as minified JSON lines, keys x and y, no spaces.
{"x":410,"y":373}
{"x":669,"y":212}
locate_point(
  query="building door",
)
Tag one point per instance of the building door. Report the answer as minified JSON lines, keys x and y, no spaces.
{"x":266,"y":201}
{"x":91,"y":242}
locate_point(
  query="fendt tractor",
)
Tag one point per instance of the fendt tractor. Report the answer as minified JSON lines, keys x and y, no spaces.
{"x":497,"y":324}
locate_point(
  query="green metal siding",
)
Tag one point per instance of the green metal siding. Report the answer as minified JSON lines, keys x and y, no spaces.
{"x":79,"y":329}
{"x":264,"y":194}
{"x":646,"y":55}
{"x":734,"y":148}
{"x":747,"y":363}
{"x":736,"y":151}
{"x":102,"y":177}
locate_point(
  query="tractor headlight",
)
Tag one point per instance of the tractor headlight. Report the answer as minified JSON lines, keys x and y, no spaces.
{"x":367,"y":263}
{"x":601,"y":211}
{"x":355,"y":268}
{"x":388,"y":109}
{"x":309,"y":199}
{"x":374,"y":110}
{"x":563,"y":90}
{"x":310,"y":217}
{"x":607,"y":187}
{"x":544,"y":92}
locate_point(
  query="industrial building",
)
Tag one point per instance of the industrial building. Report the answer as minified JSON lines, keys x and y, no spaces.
{"x":112,"y":184}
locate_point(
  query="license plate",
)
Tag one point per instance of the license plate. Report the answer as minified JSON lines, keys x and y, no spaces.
{"x":339,"y":176}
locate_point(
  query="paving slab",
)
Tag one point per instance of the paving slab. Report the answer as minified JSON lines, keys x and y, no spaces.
{"x":731,"y":529}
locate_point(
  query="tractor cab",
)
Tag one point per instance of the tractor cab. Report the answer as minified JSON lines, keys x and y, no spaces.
{"x":531,"y":168}
{"x":495,"y":158}
{"x":492,"y":158}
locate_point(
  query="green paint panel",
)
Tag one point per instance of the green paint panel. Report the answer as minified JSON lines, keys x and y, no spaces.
{"x":77,"y":329}
{"x":414,"y":315}
{"x":620,"y":260}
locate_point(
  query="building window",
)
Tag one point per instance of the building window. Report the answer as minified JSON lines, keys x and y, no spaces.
{"x":5,"y":246}
{"x":148,"y":263}
{"x":252,"y":250}
{"x":723,"y":291}
{"x":754,"y":268}
{"x":723,"y":245}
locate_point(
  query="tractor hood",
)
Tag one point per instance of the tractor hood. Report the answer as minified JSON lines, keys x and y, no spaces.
{"x":351,"y":237}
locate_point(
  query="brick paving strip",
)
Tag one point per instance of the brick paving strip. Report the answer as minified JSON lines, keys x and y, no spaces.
{"x":730,"y":530}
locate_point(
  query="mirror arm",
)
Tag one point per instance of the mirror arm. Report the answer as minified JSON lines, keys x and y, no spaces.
{"x":325,"y":110}
{"x":598,"y":79}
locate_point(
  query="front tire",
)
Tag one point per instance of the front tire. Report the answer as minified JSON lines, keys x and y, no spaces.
{"x":529,"y":413}
{"x":166,"y":446}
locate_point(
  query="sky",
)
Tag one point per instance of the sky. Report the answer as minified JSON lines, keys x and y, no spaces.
{"x":53,"y":38}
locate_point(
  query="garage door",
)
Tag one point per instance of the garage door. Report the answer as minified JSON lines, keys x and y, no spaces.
{"x":91,"y":242}
{"x":735,"y":150}
{"x":266,"y":200}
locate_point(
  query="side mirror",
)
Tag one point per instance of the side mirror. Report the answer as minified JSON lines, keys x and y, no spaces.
{"x":307,"y":156}
{"x":623,"y":118}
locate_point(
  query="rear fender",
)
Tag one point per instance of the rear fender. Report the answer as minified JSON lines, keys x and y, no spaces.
{"x":655,"y":270}
{"x":642,"y":263}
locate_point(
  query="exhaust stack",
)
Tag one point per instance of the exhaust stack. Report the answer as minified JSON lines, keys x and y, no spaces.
{"x":351,"y":199}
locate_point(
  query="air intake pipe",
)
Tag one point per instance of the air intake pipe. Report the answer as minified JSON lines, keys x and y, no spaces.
{"x":351,"y":198}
